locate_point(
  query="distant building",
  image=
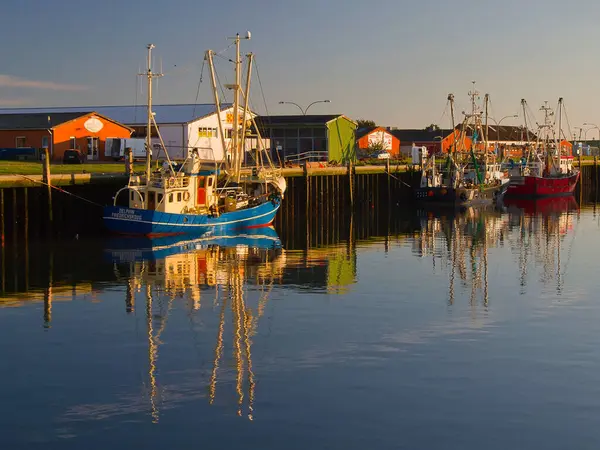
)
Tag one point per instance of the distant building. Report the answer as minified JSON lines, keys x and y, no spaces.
{"x":84,"y":131}
{"x":436,"y":140}
{"x":380,"y":137}
{"x":309,"y":137}
{"x":182,"y":127}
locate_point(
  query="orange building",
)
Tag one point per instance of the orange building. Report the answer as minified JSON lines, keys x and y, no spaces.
{"x":380,"y":137}
{"x":84,"y":131}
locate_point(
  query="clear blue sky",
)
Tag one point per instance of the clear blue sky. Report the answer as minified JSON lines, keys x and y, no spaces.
{"x":392,"y":61}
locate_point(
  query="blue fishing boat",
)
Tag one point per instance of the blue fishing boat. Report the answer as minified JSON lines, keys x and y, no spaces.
{"x":200,"y":195}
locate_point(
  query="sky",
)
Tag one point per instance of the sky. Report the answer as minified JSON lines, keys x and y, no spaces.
{"x":391,"y":61}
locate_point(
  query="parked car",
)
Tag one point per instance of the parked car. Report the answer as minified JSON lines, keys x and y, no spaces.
{"x":381,"y":155}
{"x":73,"y":157}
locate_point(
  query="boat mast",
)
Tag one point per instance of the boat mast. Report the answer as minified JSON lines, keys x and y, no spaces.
{"x":487,"y":97}
{"x":523,"y":105}
{"x":236,"y":101}
{"x":213,"y":79}
{"x":476,"y":122}
{"x":246,"y":101}
{"x":558,"y":146}
{"x":547,"y":125}
{"x":453,"y":147}
{"x":150,"y":76}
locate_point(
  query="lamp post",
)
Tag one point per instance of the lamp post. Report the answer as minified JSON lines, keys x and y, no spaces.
{"x":300,"y":107}
{"x":593,"y":127}
{"x":514,"y":116}
{"x":441,"y":139}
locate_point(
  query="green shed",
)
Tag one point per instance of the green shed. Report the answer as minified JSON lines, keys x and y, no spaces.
{"x":299,"y":138}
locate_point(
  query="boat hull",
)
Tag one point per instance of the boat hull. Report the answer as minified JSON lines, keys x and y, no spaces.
{"x":536,"y":187}
{"x":144,"y":222}
{"x":458,"y":196}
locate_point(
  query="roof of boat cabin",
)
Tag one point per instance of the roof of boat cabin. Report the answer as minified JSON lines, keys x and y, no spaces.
{"x":131,"y":114}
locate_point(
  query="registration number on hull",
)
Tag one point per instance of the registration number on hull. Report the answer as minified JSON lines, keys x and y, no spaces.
{"x":128,"y":214}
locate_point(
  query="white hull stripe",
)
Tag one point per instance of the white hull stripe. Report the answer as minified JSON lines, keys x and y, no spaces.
{"x":193,"y":224}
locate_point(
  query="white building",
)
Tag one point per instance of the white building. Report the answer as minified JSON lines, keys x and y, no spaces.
{"x":182,"y":127}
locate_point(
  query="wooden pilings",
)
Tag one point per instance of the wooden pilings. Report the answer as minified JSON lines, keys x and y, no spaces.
{"x":48,"y":182}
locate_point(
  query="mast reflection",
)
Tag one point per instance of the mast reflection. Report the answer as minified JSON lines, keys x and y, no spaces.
{"x":187,"y":269}
{"x":459,"y":242}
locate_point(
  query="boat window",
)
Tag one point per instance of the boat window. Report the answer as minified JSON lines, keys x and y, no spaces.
{"x":179,"y":196}
{"x":210,"y":181}
{"x":160,"y":197}
{"x":132,"y":195}
{"x":170,"y":198}
{"x":201,"y":182}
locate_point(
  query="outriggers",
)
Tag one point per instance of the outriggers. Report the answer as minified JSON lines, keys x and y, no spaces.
{"x":470,"y":176}
{"x":548,"y":167}
{"x":202,"y":195}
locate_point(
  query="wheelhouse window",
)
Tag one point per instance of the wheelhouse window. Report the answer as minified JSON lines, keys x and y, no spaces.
{"x":170,"y":198}
{"x":179,"y":196}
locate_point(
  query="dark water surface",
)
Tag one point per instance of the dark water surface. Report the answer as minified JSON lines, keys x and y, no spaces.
{"x":421,"y":331}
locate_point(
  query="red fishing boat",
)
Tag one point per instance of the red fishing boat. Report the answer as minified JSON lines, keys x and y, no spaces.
{"x":548,"y":169}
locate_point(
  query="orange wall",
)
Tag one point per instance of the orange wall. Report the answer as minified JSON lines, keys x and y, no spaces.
{"x":62,"y":134}
{"x":363,"y":142}
{"x":33,"y":138}
{"x":75,"y":128}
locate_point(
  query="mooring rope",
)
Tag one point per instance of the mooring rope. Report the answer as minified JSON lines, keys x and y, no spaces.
{"x":62,"y":190}
{"x":398,"y":179}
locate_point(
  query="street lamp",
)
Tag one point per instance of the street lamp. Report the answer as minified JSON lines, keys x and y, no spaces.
{"x":300,"y":107}
{"x":593,"y":127}
{"x":514,"y":116}
{"x":441,"y":139}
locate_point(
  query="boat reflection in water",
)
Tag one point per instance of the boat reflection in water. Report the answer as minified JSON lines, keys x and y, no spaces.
{"x":544,"y":206}
{"x":189,"y":267}
{"x":534,"y":230}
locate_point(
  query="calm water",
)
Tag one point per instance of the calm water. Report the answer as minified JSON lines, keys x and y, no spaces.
{"x":469,"y":331}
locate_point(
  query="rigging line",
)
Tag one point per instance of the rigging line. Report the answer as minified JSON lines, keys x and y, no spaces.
{"x":62,"y":190}
{"x":224,"y":50}
{"x":564,"y":108}
{"x":198,"y":90}
{"x":261,"y":88}
{"x":221,"y":87}
{"x":136,"y":99}
{"x":444,"y":112}
{"x":266,"y":112}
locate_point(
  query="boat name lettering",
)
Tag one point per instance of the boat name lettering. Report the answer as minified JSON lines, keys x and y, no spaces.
{"x":127,"y":214}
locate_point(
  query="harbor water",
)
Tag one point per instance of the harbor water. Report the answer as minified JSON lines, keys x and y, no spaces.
{"x":399,"y":329}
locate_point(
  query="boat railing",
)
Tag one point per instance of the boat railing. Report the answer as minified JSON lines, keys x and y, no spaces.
{"x":173,"y":182}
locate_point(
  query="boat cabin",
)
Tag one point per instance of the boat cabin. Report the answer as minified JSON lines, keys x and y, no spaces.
{"x":191,"y":189}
